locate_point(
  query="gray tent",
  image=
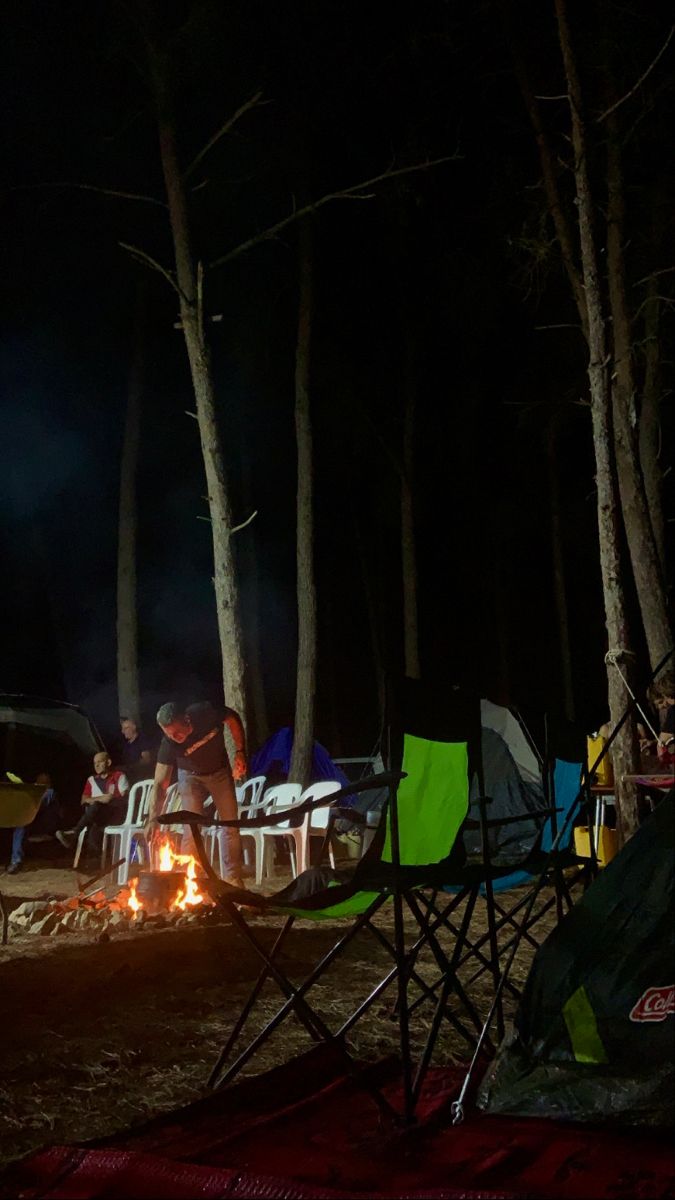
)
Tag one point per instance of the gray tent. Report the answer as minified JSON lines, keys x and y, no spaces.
{"x":37,"y":734}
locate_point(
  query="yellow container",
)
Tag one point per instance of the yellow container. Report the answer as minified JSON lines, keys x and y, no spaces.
{"x":607,"y":844}
{"x":604,"y":775}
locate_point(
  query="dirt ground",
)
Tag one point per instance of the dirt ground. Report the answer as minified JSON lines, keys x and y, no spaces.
{"x":99,"y":1036}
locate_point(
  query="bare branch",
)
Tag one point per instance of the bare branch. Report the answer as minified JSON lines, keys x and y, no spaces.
{"x":90,"y":187}
{"x":243,"y":525}
{"x":191,"y":414}
{"x":344,"y":194}
{"x":151,"y":262}
{"x":568,"y":325}
{"x":640,"y":81}
{"x":653,"y":275}
{"x":220,"y":133}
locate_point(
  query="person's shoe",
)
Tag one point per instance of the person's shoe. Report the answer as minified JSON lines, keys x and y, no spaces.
{"x":66,"y":837}
{"x":13,"y":868}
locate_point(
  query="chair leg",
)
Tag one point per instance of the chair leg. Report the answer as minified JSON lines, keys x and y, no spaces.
{"x":78,"y":849}
{"x":125,"y":853}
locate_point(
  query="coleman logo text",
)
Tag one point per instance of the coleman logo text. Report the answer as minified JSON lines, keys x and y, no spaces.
{"x":655,"y":1004}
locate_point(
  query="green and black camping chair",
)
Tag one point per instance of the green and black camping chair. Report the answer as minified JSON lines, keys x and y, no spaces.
{"x":432,"y":738}
{"x":520,"y":894}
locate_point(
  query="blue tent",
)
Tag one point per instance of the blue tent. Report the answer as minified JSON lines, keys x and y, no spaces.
{"x":274,"y":759}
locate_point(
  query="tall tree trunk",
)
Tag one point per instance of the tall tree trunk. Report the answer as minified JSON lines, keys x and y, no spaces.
{"x":559,"y":587}
{"x":408,"y":547}
{"x":303,"y":735}
{"x":650,"y":422}
{"x":645,"y":562}
{"x":624,"y":753}
{"x":365,"y":557}
{"x":128,"y":690}
{"x":190,"y":287}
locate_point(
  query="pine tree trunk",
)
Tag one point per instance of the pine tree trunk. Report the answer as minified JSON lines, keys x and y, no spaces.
{"x":128,"y":691}
{"x":188,"y":277}
{"x":559,"y":587}
{"x":624,"y":750}
{"x":645,"y":562}
{"x":650,"y":423}
{"x":408,"y":547}
{"x":303,"y":734}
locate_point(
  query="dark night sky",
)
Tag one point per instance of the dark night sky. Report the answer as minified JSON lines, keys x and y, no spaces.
{"x":351,"y":89}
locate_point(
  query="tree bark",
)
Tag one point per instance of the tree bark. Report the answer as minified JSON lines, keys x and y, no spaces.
{"x":189,"y":280}
{"x":625,"y":747}
{"x":128,"y":690}
{"x":650,"y":423}
{"x":559,"y":585}
{"x":303,"y":734}
{"x":408,"y":547}
{"x":645,"y":562}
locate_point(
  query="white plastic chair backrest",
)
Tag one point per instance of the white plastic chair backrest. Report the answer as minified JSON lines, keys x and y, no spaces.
{"x":282,"y":795}
{"x":250,"y":793}
{"x":318,"y":818}
{"x":138,"y":801}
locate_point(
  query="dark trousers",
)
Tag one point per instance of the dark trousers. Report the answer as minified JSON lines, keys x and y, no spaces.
{"x":95,"y":817}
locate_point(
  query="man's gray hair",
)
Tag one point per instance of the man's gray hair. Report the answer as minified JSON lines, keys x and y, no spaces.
{"x":169,"y":713}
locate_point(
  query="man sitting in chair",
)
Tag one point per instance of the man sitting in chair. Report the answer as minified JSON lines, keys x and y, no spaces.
{"x":194,"y":745}
{"x":104,"y":802}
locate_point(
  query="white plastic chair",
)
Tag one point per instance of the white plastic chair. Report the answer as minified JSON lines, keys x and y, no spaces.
{"x":138,"y":803}
{"x":276,"y":799}
{"x":316,"y":822}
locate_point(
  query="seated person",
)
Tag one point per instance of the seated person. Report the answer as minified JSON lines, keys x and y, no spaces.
{"x":104,"y":802}
{"x":45,"y":824}
{"x":135,"y":753}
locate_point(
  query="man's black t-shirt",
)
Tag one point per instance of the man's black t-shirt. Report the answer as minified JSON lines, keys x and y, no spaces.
{"x":190,"y":755}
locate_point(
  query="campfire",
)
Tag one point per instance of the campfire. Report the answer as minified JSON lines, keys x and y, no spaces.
{"x":169,"y":895}
{"x":167,"y":889}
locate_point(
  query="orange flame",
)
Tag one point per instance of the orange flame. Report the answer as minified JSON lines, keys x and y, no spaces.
{"x":134,"y":903}
{"x":190,"y":894}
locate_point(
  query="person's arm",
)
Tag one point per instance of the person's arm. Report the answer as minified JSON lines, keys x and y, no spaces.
{"x":86,"y":794}
{"x":236,"y":728}
{"x":163,"y":775}
{"x":146,"y":758}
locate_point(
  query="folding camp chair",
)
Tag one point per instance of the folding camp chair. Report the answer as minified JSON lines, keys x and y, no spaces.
{"x":550,"y":867}
{"x":19,"y":804}
{"x":433,"y":736}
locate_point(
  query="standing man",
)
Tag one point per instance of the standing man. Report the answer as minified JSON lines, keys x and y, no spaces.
{"x":194,"y":745}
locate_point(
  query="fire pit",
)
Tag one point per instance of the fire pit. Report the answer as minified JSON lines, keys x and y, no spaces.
{"x":152,"y":899}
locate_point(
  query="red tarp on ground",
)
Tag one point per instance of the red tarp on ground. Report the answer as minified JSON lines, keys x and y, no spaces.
{"x":303,"y":1130}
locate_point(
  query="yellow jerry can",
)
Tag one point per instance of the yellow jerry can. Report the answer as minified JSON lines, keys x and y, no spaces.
{"x":607,"y":844}
{"x":603,"y":775}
